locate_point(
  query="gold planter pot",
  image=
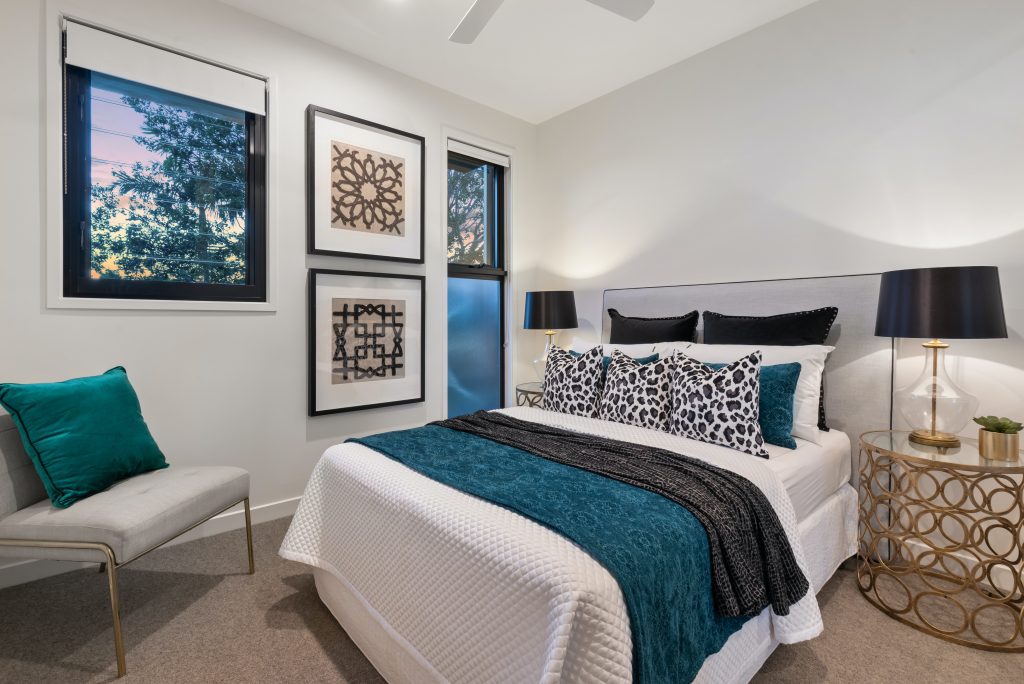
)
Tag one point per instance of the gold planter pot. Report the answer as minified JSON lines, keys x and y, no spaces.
{"x":998,"y":446}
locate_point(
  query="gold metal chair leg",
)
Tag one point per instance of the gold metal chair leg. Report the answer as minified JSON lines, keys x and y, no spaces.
{"x":115,"y":609}
{"x":248,"y":536}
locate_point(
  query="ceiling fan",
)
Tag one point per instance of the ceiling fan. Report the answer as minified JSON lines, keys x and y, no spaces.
{"x":482,"y":10}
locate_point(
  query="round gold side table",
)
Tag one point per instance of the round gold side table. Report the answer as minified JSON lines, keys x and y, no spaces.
{"x":942,"y":540}
{"x":530,"y":394}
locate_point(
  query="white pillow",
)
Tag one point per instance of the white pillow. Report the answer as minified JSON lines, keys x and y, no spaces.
{"x":666,"y":349}
{"x":811,"y":358}
{"x":636,"y":351}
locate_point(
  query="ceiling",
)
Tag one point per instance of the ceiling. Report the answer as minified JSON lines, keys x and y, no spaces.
{"x":536,"y":58}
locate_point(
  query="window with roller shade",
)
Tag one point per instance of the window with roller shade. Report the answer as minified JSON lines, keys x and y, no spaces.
{"x":165,"y":191}
{"x":476,"y":284}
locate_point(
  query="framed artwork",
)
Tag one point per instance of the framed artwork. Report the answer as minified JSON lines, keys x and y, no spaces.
{"x":364,"y":188}
{"x":366,"y":333}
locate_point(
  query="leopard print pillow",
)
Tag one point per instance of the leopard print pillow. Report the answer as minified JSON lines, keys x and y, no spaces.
{"x":637,"y":394}
{"x":718,"y":406}
{"x":573,"y":384}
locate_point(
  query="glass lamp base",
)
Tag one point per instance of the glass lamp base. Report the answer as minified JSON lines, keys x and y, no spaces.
{"x":935,"y":439}
{"x":933,"y":406}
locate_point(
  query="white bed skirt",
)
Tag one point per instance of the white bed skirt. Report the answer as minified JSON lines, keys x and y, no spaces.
{"x":828,"y":533}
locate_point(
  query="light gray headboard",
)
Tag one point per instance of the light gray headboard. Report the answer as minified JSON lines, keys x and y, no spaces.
{"x":858,"y":374}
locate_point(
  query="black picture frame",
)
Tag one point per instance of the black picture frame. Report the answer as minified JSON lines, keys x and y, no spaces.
{"x":311,"y":333}
{"x":312,"y":111}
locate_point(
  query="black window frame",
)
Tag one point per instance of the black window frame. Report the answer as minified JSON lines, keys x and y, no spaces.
{"x":77,"y":281}
{"x":496,"y":270}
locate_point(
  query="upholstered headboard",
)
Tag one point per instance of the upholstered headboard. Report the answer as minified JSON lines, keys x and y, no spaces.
{"x":858,"y":374}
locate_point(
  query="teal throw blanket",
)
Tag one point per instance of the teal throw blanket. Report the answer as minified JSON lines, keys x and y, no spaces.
{"x":656,"y":549}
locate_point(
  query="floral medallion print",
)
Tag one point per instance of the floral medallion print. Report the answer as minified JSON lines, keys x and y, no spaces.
{"x":367,"y":190}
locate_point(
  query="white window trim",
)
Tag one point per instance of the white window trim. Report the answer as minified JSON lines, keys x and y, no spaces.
{"x":507,"y":153}
{"x":54,"y":161}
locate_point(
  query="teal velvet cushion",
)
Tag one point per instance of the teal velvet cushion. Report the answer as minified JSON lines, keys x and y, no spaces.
{"x":775,"y":410}
{"x":607,"y":361}
{"x":82,"y":435}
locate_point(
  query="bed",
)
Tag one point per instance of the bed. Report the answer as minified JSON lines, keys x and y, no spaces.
{"x":433,"y":584}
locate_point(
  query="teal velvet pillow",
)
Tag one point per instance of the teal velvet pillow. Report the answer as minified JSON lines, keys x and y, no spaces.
{"x":607,"y":361}
{"x":775,"y":410}
{"x":82,"y":435}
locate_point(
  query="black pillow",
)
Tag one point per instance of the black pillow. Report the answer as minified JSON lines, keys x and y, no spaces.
{"x":636,"y":330}
{"x":788,"y":329}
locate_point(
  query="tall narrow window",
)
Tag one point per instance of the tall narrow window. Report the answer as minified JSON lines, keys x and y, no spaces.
{"x":165,"y":191}
{"x":476,"y":284}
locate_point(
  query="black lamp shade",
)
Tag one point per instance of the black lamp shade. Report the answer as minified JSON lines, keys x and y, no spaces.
{"x":958,"y":302}
{"x":550,"y":310}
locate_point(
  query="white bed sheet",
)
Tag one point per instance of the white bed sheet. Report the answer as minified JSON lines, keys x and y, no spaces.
{"x":480,"y":593}
{"x":812,"y":472}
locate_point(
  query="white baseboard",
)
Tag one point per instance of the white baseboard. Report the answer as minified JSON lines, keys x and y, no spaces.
{"x":19,"y":571}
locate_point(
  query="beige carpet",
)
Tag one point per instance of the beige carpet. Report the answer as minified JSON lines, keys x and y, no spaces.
{"x":191,"y":614}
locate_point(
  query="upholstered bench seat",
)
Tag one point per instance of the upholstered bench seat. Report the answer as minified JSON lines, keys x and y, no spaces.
{"x":115,"y":526}
{"x":131,"y":517}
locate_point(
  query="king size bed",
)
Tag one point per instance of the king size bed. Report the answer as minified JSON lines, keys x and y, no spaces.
{"x":435,"y":581}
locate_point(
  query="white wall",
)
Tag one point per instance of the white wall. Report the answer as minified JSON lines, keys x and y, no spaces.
{"x":847,"y":137}
{"x":226,"y":388}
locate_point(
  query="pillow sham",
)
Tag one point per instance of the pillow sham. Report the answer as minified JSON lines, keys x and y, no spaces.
{"x":718,"y":406}
{"x":669,"y":348}
{"x":775,"y":406}
{"x":573,"y":384}
{"x":635,"y":350}
{"x":636,"y":329}
{"x":787,"y":329}
{"x":811,"y":358}
{"x":82,"y":435}
{"x":637,"y":392}
{"x":607,"y":360}
{"x":794,"y":328}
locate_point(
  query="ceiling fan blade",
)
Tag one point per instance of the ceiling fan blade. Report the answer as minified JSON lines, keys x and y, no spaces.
{"x":474,"y":21}
{"x":630,"y":9}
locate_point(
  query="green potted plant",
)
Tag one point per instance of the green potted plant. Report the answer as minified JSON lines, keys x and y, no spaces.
{"x":998,"y":438}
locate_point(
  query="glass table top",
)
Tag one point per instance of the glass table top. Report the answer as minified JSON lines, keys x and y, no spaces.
{"x":530,"y":387}
{"x":966,"y":455}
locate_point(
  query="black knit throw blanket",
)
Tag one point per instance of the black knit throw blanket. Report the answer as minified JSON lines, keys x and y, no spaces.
{"x":752,"y":563}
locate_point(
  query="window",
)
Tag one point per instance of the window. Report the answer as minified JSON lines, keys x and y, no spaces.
{"x":476,"y":284}
{"x":165,"y":191}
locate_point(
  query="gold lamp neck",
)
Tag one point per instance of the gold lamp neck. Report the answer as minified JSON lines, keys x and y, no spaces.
{"x":935,"y":344}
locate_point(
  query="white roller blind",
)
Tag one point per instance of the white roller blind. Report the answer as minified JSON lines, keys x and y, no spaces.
{"x":477,"y":152}
{"x":133,"y":60}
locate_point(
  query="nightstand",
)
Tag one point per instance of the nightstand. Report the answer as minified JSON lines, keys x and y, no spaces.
{"x":530,"y":394}
{"x":941,"y":544}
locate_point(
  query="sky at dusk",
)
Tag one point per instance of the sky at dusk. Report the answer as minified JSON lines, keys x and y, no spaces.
{"x":113,"y":126}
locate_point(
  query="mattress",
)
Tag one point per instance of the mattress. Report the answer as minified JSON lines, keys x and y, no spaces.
{"x":812,"y":472}
{"x":473,"y":592}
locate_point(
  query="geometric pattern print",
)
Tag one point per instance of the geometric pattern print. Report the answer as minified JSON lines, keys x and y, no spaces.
{"x":368,"y":340}
{"x":572,"y":384}
{"x":367,"y":192}
{"x":638,"y":394}
{"x":718,"y":406}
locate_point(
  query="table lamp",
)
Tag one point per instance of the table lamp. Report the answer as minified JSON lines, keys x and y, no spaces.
{"x":959,"y":302}
{"x":550,"y":311}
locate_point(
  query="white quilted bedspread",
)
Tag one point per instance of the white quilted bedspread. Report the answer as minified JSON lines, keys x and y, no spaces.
{"x":482,"y":593}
